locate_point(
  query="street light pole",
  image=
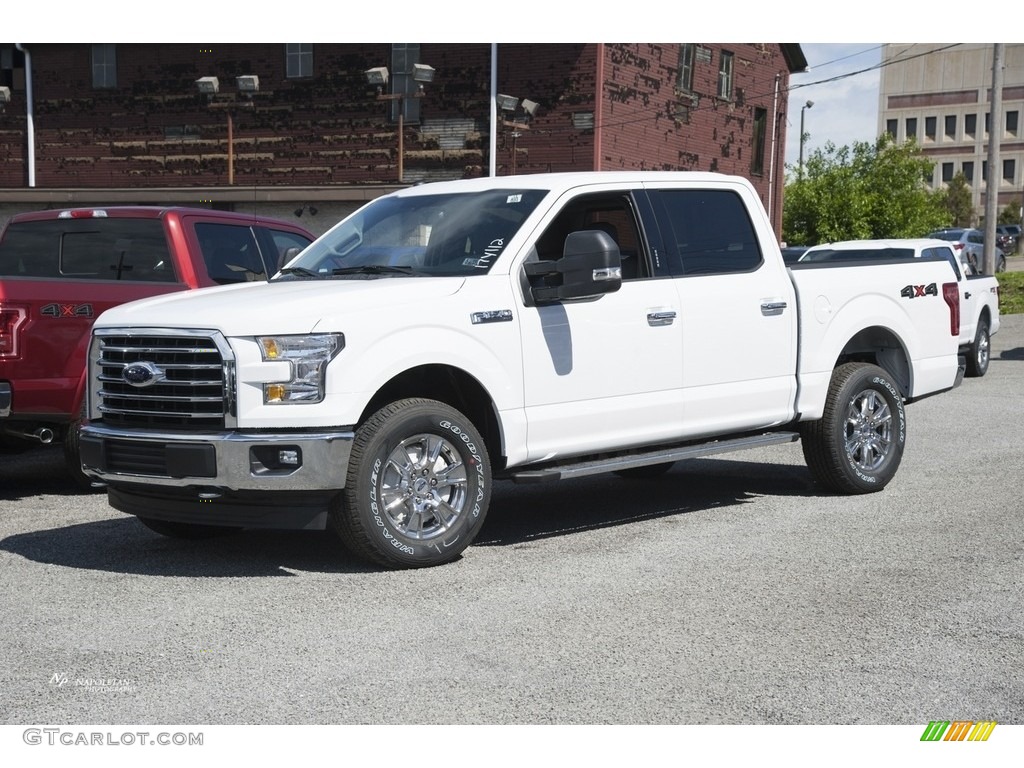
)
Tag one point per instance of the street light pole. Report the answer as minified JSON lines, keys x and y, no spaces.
{"x":808,"y":105}
{"x":421,"y":73}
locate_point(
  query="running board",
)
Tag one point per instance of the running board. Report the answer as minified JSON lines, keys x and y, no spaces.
{"x":570,"y":470}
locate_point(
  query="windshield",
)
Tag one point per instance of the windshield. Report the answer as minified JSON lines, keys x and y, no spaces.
{"x":447,"y":234}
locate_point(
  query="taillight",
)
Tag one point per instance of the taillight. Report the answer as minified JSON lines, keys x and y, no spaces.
{"x":11,"y":319}
{"x":951,"y":293}
{"x":83,"y":213}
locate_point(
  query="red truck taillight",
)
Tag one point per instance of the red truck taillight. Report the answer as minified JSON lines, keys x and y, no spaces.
{"x":83,"y":213}
{"x":11,"y":319}
{"x":951,"y":293}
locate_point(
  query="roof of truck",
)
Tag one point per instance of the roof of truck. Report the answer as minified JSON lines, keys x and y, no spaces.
{"x":144,"y":212}
{"x":562,"y":181}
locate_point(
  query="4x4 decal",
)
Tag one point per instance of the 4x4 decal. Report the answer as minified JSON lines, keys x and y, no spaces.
{"x":913,"y":291}
{"x":66,"y":310}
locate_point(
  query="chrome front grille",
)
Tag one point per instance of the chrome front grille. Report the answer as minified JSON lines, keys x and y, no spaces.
{"x":163,"y":379}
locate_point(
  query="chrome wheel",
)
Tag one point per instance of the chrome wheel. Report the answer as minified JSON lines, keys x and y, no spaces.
{"x":868,"y":430}
{"x":857,"y":444}
{"x":424,"y":487}
{"x":417,"y":487}
{"x":983,"y":351}
{"x":980,"y":351}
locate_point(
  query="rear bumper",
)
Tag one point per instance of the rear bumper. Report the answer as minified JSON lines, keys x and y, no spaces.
{"x":5,"y":399}
{"x":961,"y":370}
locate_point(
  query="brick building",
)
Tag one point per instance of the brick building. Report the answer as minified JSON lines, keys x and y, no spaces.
{"x":109,"y":123}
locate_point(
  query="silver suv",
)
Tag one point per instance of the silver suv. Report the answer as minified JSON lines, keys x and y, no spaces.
{"x":969,"y":245}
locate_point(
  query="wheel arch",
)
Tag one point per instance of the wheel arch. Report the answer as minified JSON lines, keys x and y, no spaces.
{"x":882,"y":347}
{"x":454,"y":387}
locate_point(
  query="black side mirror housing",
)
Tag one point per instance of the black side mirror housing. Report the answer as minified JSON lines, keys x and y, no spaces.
{"x":591,"y":265}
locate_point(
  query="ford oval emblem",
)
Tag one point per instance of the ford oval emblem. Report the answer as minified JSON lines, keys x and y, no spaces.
{"x":141,"y":374}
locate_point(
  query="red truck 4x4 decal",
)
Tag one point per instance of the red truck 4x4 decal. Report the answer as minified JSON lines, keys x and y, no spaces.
{"x":66,"y":310}
{"x":913,"y":291}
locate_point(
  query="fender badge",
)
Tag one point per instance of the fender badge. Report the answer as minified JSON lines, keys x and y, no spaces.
{"x":492,"y":316}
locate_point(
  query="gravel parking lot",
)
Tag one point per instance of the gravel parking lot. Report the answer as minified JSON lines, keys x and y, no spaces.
{"x":729,"y":591}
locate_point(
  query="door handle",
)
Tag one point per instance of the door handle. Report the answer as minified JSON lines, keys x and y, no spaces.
{"x":769,"y":308}
{"x":654,"y":319}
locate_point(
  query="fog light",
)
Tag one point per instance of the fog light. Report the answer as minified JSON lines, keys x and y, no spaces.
{"x":275,"y":459}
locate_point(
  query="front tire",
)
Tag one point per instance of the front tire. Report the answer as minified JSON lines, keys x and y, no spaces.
{"x":418,"y":486}
{"x":980,"y":351}
{"x":857,"y":445}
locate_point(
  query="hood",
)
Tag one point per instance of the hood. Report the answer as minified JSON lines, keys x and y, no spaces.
{"x":293,"y":306}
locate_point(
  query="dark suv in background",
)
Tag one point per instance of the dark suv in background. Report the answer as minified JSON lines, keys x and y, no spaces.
{"x":1008,"y":237}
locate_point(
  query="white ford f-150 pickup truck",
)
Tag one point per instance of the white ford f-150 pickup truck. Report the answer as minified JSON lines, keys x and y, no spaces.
{"x":528,"y":328}
{"x":979,"y":294}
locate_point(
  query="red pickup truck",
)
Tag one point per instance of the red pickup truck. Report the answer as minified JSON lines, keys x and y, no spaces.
{"x":60,"y":269}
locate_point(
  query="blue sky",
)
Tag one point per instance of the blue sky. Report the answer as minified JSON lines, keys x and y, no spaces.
{"x":846,"y":109}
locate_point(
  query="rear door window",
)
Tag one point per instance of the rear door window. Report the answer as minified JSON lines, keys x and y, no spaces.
{"x":709,"y":229}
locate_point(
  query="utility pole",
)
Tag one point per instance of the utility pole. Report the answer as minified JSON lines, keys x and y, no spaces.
{"x":995,"y":172}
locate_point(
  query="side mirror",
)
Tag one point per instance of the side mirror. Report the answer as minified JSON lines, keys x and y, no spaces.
{"x":591,"y":265}
{"x":287,"y":255}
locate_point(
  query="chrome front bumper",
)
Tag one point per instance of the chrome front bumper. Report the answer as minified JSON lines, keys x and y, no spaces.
{"x":236,"y":460}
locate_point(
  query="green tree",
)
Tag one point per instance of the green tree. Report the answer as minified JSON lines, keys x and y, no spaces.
{"x":1010,"y":213}
{"x":957,"y":202}
{"x":866,"y":191}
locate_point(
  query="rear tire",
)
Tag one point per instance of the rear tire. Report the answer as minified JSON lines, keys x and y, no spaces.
{"x":418,"y":486}
{"x":980,"y":351}
{"x":857,"y":445}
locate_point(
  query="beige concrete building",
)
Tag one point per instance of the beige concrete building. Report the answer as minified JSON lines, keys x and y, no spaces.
{"x":939,"y":95}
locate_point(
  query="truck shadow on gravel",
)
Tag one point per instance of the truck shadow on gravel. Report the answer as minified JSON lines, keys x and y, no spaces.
{"x":124,"y":545}
{"x":1012,"y":354}
{"x":519,"y":514}
{"x":523,"y":513}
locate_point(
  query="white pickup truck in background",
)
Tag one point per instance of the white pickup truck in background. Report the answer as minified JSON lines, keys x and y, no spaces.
{"x":979,"y":294}
{"x":529,"y":328}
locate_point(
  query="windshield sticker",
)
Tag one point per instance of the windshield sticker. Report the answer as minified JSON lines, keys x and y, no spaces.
{"x":514,"y":199}
{"x":491,"y":252}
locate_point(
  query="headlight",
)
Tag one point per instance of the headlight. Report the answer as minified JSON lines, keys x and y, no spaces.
{"x":307,"y":357}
